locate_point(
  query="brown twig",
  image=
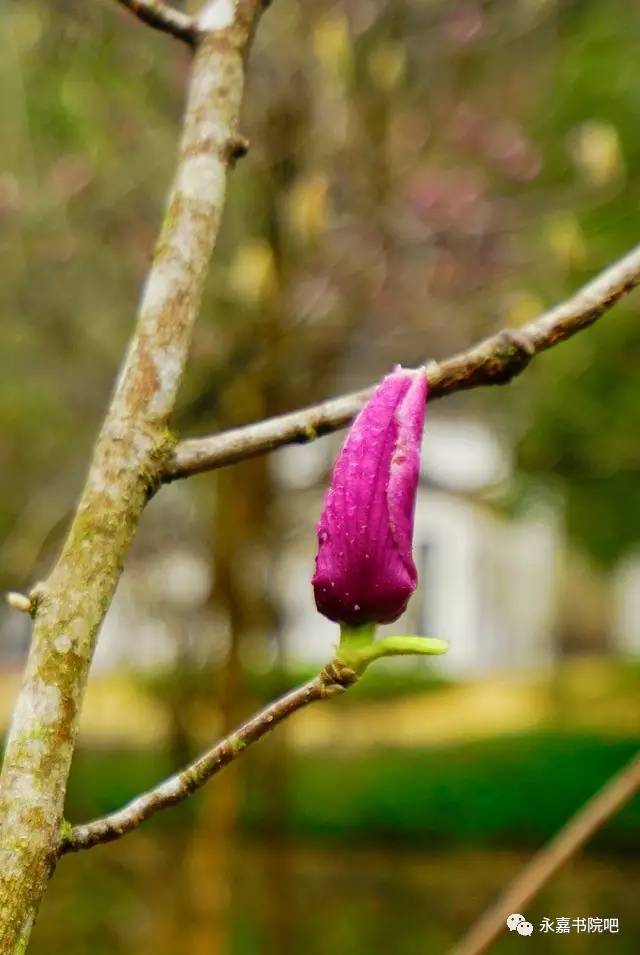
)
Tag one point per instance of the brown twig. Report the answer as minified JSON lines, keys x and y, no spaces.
{"x":161,"y":16}
{"x":494,"y":361}
{"x":597,"y":811}
{"x":332,"y":680}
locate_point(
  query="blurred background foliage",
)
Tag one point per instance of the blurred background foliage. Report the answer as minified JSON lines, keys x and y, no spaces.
{"x":421,"y":173}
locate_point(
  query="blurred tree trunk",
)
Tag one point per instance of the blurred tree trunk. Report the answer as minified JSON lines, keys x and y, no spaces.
{"x":240,"y":522}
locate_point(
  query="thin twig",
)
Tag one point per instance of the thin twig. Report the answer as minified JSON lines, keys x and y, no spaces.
{"x":332,"y":680}
{"x":161,"y":16}
{"x":594,"y":814}
{"x":494,"y":361}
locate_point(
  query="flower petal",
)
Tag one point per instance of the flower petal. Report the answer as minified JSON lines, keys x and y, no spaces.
{"x":405,"y":468}
{"x":364,"y":570}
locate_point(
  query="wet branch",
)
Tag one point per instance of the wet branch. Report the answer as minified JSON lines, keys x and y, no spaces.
{"x":494,"y":361}
{"x":134,"y":453}
{"x":161,"y":16}
{"x":127,"y":463}
{"x":332,"y":680}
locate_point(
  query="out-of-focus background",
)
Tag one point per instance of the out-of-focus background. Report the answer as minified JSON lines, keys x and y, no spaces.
{"x":421,"y":173}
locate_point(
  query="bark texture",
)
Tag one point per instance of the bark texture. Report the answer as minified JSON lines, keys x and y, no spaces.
{"x":333,"y":679}
{"x":127,"y":465}
{"x":161,"y":16}
{"x":494,"y":361}
{"x":135,"y":452}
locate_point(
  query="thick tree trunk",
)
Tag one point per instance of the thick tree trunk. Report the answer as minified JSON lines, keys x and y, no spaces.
{"x":129,"y":455}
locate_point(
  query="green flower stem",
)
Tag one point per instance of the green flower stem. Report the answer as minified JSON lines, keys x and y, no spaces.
{"x":353,"y":639}
{"x":358,"y":647}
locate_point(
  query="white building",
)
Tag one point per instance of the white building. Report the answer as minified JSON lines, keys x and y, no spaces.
{"x":627,"y":607}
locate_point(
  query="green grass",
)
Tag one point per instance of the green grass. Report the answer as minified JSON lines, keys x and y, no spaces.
{"x":509,"y":791}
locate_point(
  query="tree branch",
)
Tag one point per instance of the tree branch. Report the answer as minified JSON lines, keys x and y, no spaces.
{"x":494,"y":361}
{"x":333,"y":679}
{"x":594,"y":814}
{"x":161,"y":16}
{"x":127,"y":463}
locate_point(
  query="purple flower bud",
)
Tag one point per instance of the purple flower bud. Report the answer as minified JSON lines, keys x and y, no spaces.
{"x":364,"y":569}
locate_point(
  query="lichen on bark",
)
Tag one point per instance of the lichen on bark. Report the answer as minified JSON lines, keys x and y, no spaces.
{"x":127,"y":466}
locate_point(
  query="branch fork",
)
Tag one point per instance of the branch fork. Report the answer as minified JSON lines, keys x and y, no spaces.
{"x":134,"y":452}
{"x":162,"y":16}
{"x":128,"y":461}
{"x":495,"y":361}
